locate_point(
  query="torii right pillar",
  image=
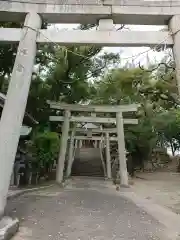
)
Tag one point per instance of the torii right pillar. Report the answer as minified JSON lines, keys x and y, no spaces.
{"x":121,"y":150}
{"x":174,"y":27}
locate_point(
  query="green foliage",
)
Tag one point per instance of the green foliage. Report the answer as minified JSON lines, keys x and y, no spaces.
{"x":158,"y":114}
{"x":8,"y":55}
{"x":167,"y":126}
{"x":44,"y":148}
{"x":67,"y":78}
{"x":77,"y":74}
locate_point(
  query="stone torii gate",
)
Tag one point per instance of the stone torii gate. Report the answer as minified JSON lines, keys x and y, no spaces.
{"x":119,"y":121}
{"x":103,"y":138}
{"x":105,"y":13}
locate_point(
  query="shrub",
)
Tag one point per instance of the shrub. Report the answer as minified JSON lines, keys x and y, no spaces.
{"x":44,"y":148}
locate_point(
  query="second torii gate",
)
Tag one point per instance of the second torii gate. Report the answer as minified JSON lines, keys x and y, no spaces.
{"x":103,"y":138}
{"x":119,"y":121}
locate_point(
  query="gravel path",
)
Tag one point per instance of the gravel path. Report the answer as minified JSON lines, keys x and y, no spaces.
{"x":86,"y":210}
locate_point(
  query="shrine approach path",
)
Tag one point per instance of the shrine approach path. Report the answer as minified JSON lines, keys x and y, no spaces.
{"x":86,"y":210}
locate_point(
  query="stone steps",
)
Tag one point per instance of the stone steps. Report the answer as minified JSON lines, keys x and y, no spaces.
{"x":87,"y":162}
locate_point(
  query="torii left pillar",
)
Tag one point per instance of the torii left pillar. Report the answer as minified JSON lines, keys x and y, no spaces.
{"x":63,"y":148}
{"x":108,"y":157}
{"x":15,"y":104}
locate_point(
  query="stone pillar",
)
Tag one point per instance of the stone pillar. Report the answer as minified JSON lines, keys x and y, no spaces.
{"x":80,"y":143}
{"x":108,"y":157}
{"x":95,"y":143}
{"x":174,"y":28}
{"x":71,"y":154}
{"x":14,"y":108}
{"x":63,"y":147}
{"x":77,"y":143}
{"x":121,"y":150}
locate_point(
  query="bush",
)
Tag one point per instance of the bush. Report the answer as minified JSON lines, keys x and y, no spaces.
{"x":44,"y":148}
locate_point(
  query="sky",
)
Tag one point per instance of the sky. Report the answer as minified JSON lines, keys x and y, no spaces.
{"x":126,"y":52}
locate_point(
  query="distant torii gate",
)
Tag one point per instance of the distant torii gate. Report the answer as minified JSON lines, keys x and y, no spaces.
{"x":105,"y":139}
{"x":119,"y":121}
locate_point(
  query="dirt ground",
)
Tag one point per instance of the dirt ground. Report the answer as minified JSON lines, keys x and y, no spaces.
{"x":162,"y":188}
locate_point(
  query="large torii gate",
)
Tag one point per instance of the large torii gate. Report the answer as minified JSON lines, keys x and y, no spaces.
{"x":119,"y":121}
{"x":105,"y":13}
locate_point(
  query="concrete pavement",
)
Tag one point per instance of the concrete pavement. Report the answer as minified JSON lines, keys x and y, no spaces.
{"x":85,"y":210}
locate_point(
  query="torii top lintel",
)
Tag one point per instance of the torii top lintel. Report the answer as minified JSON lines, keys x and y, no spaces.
{"x":138,"y":12}
{"x":94,"y":108}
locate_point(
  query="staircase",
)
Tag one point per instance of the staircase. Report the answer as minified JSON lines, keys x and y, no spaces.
{"x":87,"y":162}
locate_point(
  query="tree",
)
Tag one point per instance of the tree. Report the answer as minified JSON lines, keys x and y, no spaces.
{"x":167,"y":126}
{"x":67,"y":78}
{"x":44,"y":148}
{"x":77,"y":74}
{"x":145,"y":87}
{"x":64,"y":72}
{"x":8,"y":55}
